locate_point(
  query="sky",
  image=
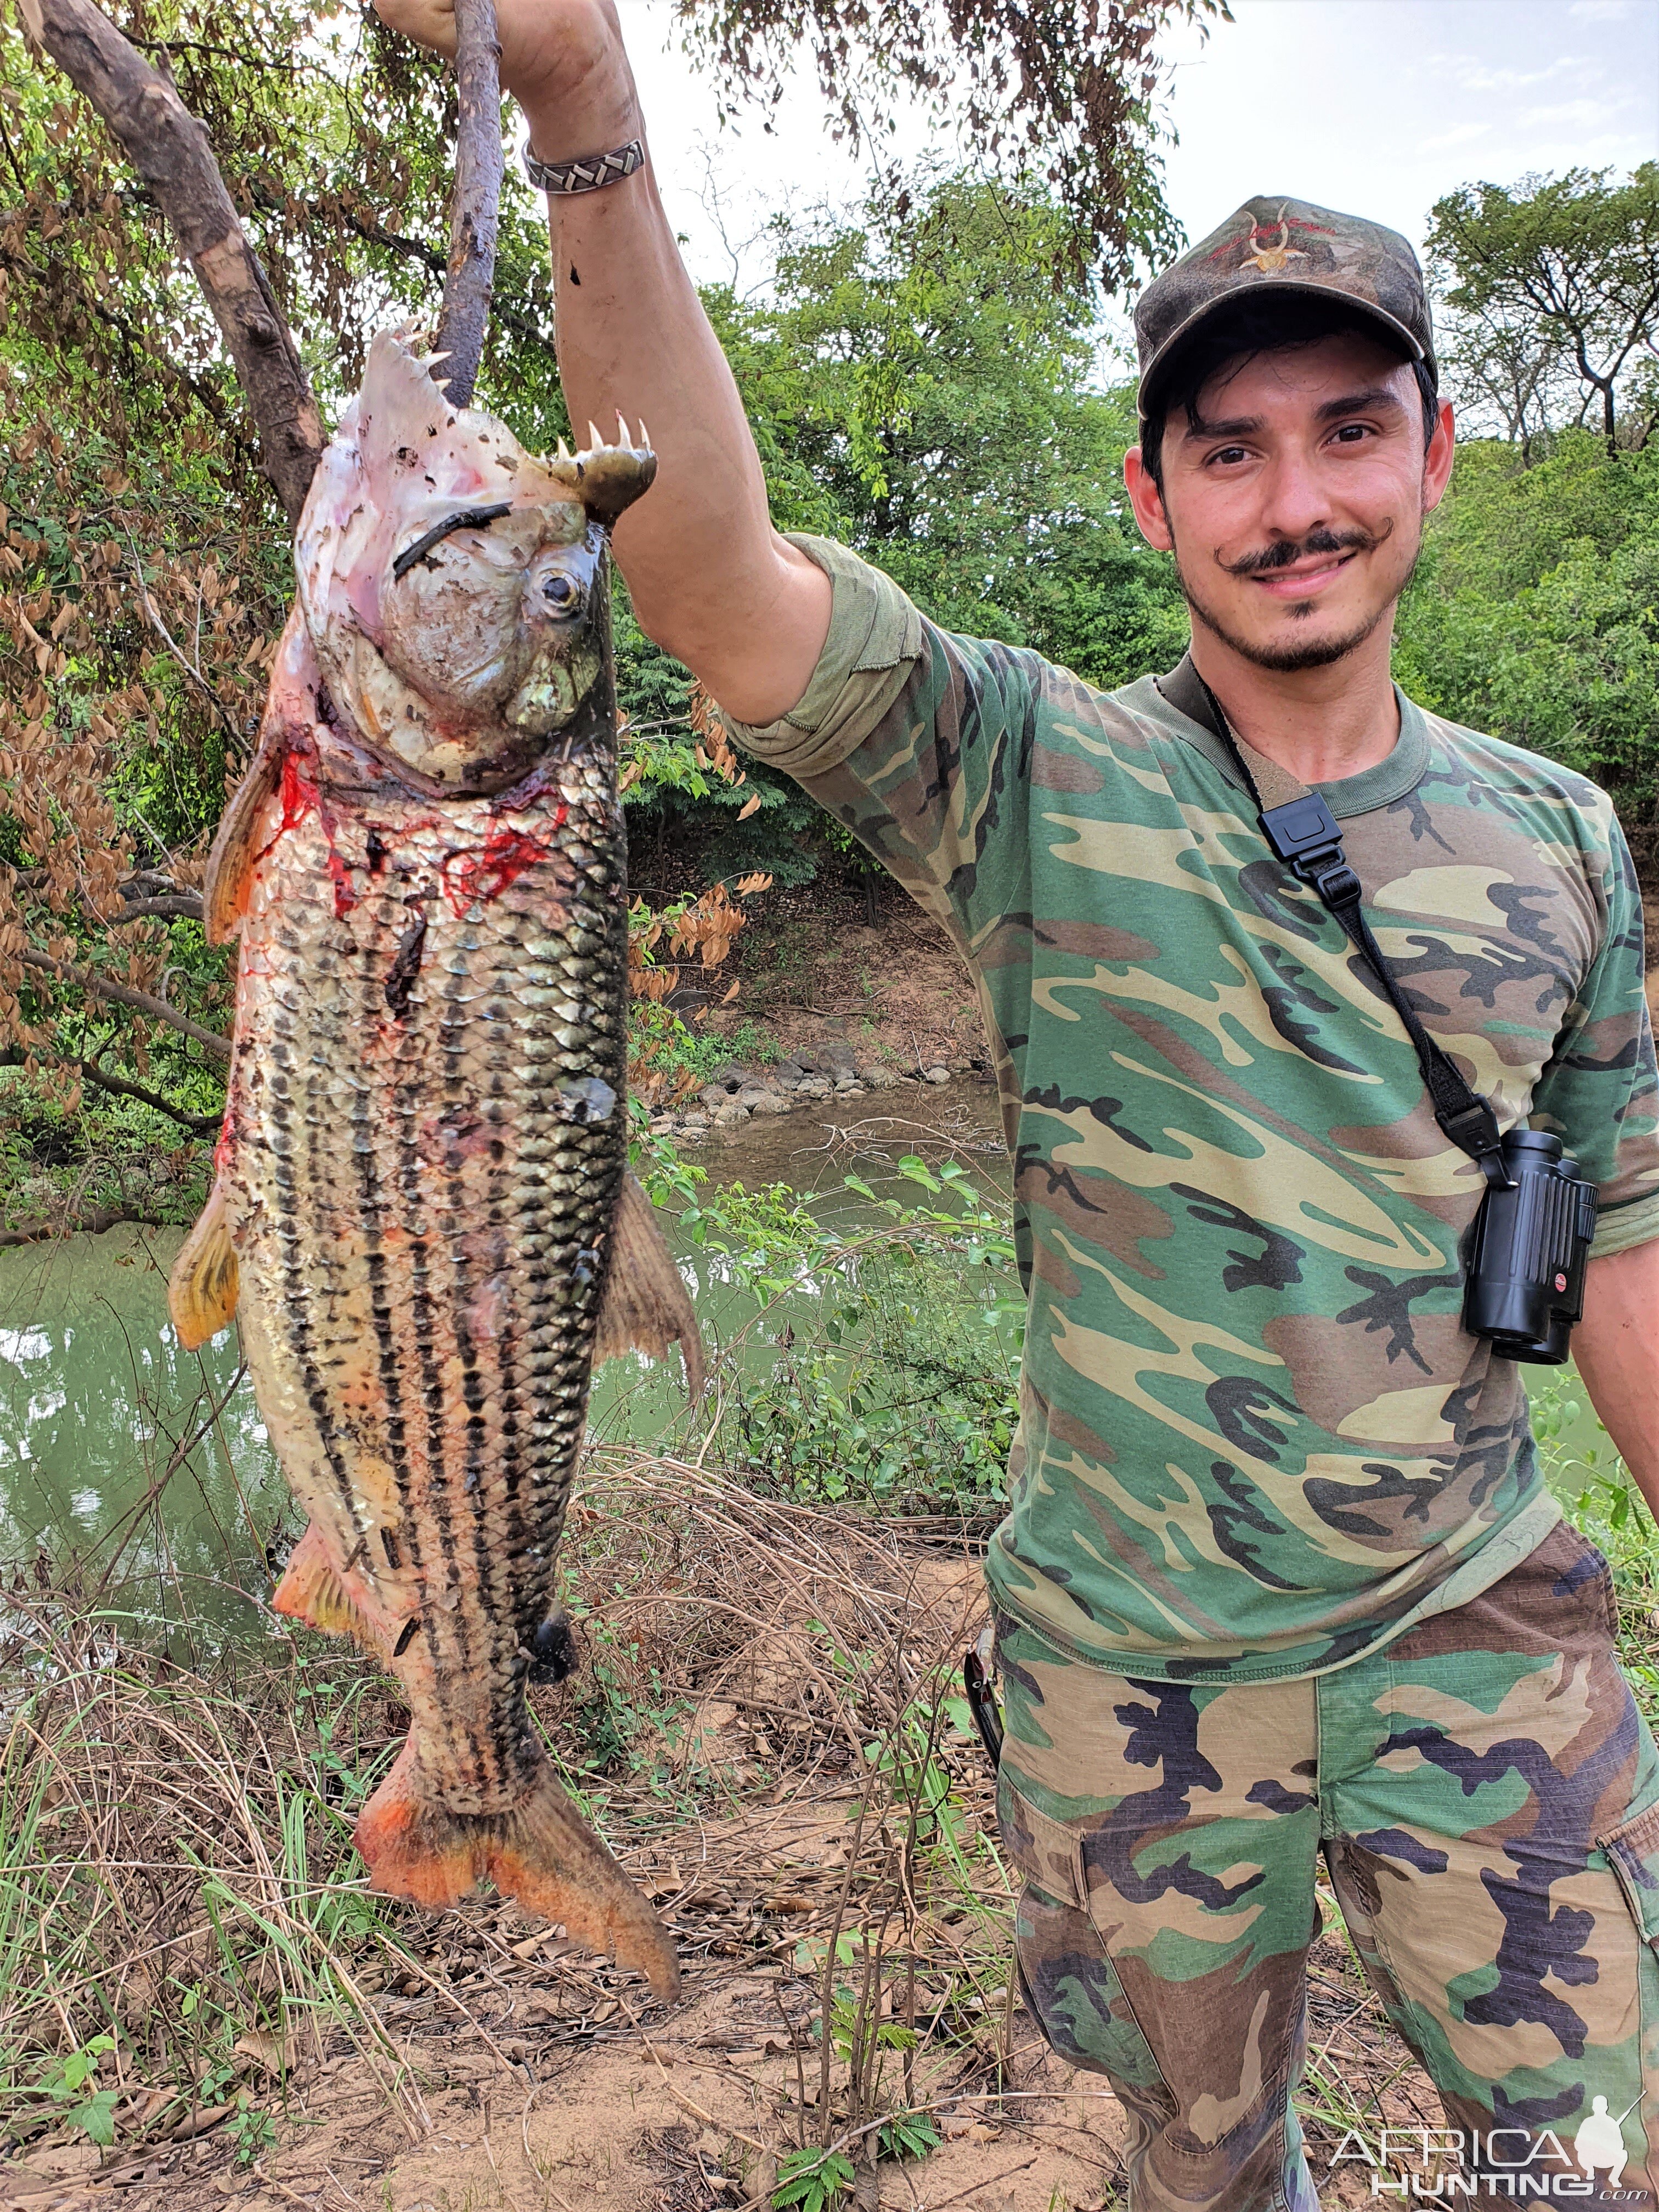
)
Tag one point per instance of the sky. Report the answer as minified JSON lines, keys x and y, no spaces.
{"x":1374,"y":106}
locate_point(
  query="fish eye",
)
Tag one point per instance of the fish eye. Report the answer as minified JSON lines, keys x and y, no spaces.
{"x":561,"y":592}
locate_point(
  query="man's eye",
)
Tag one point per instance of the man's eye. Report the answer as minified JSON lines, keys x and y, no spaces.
{"x":1229,"y":454}
{"x":1351,"y":433}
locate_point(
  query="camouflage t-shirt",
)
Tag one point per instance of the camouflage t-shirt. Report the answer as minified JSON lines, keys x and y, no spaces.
{"x":1254,"y":1440}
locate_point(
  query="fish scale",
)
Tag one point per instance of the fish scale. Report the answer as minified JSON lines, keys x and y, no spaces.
{"x":421,"y":1215}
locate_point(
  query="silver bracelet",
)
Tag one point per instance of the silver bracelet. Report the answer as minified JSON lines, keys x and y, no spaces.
{"x":590,"y":174}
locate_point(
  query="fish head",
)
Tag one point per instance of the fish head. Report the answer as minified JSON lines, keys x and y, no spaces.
{"x":452,"y":583}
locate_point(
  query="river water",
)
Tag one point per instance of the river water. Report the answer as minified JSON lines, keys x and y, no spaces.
{"x":149,"y":1466}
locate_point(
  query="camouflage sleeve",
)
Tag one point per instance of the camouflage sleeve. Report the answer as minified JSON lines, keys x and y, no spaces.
{"x":875,"y":640}
{"x":1600,"y":1092}
{"x":916,"y":740}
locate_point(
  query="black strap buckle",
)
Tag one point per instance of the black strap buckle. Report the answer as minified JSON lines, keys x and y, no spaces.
{"x":1473,"y":1129}
{"x":1303,"y":832}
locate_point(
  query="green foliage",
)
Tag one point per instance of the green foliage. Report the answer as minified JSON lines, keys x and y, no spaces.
{"x":252,"y":2130}
{"x":68,"y":2101}
{"x":1534,"y":614}
{"x":909,"y":2134}
{"x":812,"y":2181}
{"x":894,"y":1379}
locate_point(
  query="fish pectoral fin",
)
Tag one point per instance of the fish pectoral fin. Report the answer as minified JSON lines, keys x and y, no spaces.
{"x":646,"y":1305}
{"x":313,"y":1590}
{"x":235,"y":847}
{"x":542,"y":1852}
{"x":204,"y":1286}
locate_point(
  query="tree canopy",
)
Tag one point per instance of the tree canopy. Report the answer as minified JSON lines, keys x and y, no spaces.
{"x":1554,"y":286}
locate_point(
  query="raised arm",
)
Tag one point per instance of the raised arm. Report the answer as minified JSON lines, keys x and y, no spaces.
{"x":712,"y":581}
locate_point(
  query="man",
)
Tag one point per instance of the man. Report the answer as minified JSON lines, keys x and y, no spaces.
{"x":1279,"y":1579}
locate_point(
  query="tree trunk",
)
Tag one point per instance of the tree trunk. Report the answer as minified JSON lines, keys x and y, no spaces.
{"x":169,"y":148}
{"x":475,"y":208}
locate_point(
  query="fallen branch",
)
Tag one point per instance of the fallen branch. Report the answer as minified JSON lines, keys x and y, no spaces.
{"x":475,"y":208}
{"x":170,"y":150}
{"x":123,"y":995}
{"x":72,"y":1224}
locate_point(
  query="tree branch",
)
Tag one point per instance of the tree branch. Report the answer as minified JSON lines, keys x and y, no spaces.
{"x":123,"y":995}
{"x":199,"y":1125}
{"x":74,"y":1223}
{"x":475,"y":208}
{"x":170,"y":150}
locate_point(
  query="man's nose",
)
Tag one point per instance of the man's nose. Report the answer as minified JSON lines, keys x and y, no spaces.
{"x":1295,"y":500}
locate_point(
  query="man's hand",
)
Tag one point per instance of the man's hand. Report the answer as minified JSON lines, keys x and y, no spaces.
{"x":563,"y":61}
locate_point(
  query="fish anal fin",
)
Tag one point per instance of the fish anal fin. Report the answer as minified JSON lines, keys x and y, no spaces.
{"x":205,"y":1281}
{"x":542,"y":1852}
{"x":646,"y":1305}
{"x":313,"y":1590}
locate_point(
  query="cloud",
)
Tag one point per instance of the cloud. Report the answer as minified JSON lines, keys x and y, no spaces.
{"x":1568,"y":115}
{"x":1464,"y":135}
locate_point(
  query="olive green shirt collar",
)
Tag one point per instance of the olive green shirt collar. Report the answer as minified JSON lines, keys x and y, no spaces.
{"x":1380,"y":786}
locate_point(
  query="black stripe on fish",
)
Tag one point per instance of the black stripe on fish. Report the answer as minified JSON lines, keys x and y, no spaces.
{"x":405,"y":967}
{"x":465,"y":518}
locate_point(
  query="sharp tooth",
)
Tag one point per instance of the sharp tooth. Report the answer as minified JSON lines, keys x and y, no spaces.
{"x":624,"y":435}
{"x":565,"y":453}
{"x":644,"y":437}
{"x":595,"y":443}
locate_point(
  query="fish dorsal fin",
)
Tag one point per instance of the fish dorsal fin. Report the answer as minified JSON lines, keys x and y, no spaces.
{"x":646,"y":1305}
{"x":201,"y":1290}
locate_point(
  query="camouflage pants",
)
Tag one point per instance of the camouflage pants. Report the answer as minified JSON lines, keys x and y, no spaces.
{"x":1486,"y":1799}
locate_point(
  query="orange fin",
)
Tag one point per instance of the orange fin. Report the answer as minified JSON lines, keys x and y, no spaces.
{"x":646,"y":1304}
{"x":205,"y":1281}
{"x":542,"y":1853}
{"x":230,"y":863}
{"x":311,"y":1590}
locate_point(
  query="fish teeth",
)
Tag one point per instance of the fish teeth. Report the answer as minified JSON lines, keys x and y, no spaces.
{"x":595,"y":443}
{"x":565,"y":453}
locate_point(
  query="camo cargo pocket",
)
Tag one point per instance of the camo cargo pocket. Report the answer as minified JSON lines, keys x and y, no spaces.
{"x":1632,"y":1851}
{"x":1069,"y":1984}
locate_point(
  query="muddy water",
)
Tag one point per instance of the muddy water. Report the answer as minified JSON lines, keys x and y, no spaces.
{"x":139,"y":1458}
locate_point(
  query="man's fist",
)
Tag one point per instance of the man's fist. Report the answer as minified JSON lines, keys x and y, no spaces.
{"x":563,"y":61}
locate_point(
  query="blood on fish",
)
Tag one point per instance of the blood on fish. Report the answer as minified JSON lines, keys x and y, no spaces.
{"x":221,"y":1149}
{"x":300,"y":796}
{"x":344,"y":897}
{"x":474,"y":878}
{"x":299,"y":793}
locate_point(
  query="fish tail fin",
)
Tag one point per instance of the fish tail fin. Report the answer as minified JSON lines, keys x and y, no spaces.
{"x":311,"y":1591}
{"x":206,"y":1280}
{"x":646,"y":1305}
{"x":542,"y":1852}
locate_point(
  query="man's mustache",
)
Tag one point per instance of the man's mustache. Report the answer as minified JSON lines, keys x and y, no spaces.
{"x":1284,"y":551}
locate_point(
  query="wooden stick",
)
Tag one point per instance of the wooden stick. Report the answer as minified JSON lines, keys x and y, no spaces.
{"x":170,"y":150}
{"x":475,"y":206}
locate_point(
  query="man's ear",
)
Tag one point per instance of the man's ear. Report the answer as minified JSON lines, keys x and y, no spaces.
{"x":1437,"y":461}
{"x":1147,"y":502}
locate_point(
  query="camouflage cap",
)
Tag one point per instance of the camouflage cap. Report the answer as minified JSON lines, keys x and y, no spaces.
{"x":1277,"y":244}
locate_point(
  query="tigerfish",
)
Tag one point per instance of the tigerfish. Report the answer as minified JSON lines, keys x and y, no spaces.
{"x":422,"y":1214}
